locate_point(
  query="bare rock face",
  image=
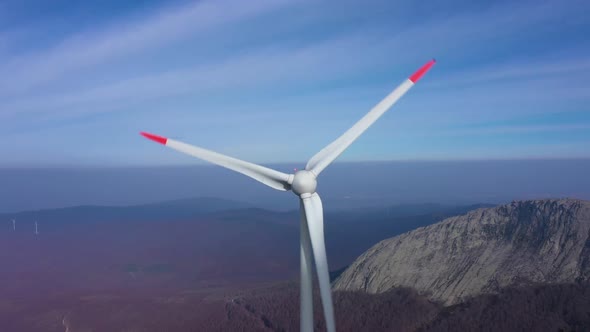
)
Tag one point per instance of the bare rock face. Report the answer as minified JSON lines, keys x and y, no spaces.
{"x":541,"y":241}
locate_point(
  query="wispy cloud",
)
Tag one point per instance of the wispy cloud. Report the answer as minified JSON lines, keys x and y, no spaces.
{"x":507,"y":129}
{"x":268,"y":66}
{"x":532,"y":69}
{"x":124,"y":39}
{"x":369,"y":49}
{"x":288,"y":54}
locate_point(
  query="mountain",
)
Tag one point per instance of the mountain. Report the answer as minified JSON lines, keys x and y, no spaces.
{"x":481,"y":252}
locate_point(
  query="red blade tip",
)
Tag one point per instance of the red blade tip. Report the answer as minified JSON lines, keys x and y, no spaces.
{"x":155,"y":138}
{"x":420,"y":72}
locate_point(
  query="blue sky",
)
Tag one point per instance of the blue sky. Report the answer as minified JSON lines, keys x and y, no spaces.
{"x":276,"y":80}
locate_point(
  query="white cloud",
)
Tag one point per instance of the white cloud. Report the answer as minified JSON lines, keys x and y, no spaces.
{"x":125,"y":38}
{"x":532,"y":69}
{"x":461,"y":89}
{"x":368,"y":49}
{"x":512,"y":129}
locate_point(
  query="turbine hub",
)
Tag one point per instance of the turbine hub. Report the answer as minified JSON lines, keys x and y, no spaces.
{"x":304,"y":182}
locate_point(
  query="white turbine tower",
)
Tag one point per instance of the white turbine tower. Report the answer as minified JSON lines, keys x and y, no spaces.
{"x":14,"y":224}
{"x":36,"y":228}
{"x":303,"y":183}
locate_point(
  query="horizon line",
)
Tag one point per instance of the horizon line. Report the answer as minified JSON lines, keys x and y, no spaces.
{"x":200,"y":164}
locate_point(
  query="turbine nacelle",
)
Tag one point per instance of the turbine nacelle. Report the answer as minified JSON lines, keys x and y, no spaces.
{"x":304,"y":182}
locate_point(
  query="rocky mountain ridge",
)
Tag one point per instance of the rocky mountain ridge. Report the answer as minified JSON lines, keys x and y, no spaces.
{"x":483,"y":251}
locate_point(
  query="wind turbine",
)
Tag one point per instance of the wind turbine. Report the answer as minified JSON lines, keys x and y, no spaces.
{"x":304,"y":183}
{"x":36,"y":228}
{"x":14,"y":224}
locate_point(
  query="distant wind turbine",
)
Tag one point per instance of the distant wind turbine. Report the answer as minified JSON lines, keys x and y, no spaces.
{"x":14,"y":224}
{"x":36,"y":228}
{"x":304,"y":183}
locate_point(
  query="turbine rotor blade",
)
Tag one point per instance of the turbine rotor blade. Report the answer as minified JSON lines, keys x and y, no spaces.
{"x":327,"y":155}
{"x":267,"y":176}
{"x":315,"y":223}
{"x":306,"y":294}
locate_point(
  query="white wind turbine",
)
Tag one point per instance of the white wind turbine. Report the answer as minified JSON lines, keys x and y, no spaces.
{"x":303,"y":183}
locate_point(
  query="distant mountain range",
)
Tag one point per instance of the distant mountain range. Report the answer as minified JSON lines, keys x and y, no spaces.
{"x":481,"y":252}
{"x":167,"y":210}
{"x":199,"y":206}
